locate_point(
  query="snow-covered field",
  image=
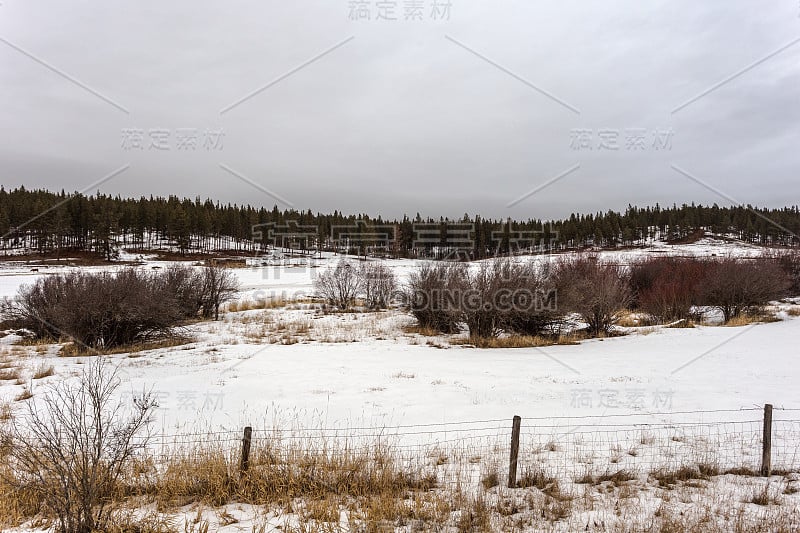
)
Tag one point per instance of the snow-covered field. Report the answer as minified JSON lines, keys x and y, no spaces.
{"x":655,"y":397}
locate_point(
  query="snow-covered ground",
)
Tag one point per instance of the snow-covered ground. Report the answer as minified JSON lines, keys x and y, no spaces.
{"x":701,"y":390}
{"x":356,"y":368}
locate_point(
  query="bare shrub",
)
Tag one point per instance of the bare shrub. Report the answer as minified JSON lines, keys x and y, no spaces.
{"x":340,"y":285}
{"x":184,"y":284}
{"x":789,"y":262}
{"x":96,"y":310}
{"x":378,"y":283}
{"x":598,"y":292}
{"x":534,"y":305}
{"x":667,"y":287}
{"x":434,"y":291}
{"x":112,"y":309}
{"x":71,"y":448}
{"x":734,"y":285}
{"x":480,"y":298}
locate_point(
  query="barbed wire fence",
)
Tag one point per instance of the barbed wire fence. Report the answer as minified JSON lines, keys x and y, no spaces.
{"x":577,"y":449}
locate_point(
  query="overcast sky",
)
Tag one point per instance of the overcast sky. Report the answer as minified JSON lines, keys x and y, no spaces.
{"x":504,"y":108}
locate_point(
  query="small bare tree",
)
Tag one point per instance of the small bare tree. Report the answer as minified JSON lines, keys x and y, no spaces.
{"x":378,"y":283}
{"x":219,"y":285}
{"x":339,"y":286}
{"x":74,"y":444}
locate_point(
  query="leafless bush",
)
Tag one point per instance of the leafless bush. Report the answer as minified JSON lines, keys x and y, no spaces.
{"x":504,"y":295}
{"x":433,"y":295}
{"x":378,"y":284}
{"x":479,"y":300}
{"x":113,"y":309}
{"x":184,"y":283}
{"x":735,"y":285}
{"x":789,"y":262}
{"x":534,"y":306}
{"x":339,"y":286}
{"x":667,"y":287}
{"x":96,"y":310}
{"x":72,"y":448}
{"x":496,"y":296}
{"x":593,"y":289}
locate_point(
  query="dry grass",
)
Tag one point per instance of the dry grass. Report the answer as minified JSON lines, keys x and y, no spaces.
{"x":700,"y":472}
{"x":516,"y":341}
{"x":535,"y":477}
{"x":510,"y":341}
{"x":793,"y":311}
{"x":315,"y":481}
{"x":280,"y":473}
{"x":272,"y":303}
{"x":490,"y":479}
{"x":615,"y":478}
{"x":745,"y":319}
{"x":26,"y":394}
{"x":415,"y":329}
{"x":267,"y":330}
{"x":7,"y":374}
{"x":38,"y":342}
{"x":6,"y":412}
{"x":43,"y":370}
{"x":76,"y":350}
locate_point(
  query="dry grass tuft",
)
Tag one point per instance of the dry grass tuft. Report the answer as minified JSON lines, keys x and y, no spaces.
{"x":490,"y":479}
{"x":43,"y":370}
{"x":76,"y":350}
{"x":6,"y":412}
{"x":517,"y":341}
{"x":535,"y":477}
{"x":251,"y":305}
{"x":510,"y":341}
{"x":745,"y":319}
{"x":763,"y":497}
{"x":615,"y":478}
{"x":26,"y":394}
{"x":670,"y":478}
{"x":421,"y":330}
{"x":7,"y":374}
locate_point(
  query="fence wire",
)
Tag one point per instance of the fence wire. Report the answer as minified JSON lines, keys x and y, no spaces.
{"x":565,"y":447}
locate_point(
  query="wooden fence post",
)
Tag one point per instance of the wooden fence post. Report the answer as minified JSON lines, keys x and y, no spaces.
{"x":512,"y":465}
{"x":766,"y":448}
{"x":245,"y":462}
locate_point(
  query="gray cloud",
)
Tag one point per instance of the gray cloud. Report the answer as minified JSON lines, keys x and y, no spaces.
{"x":401,"y":119}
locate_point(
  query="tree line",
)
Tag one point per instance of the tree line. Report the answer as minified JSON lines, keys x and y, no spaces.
{"x":48,"y":222}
